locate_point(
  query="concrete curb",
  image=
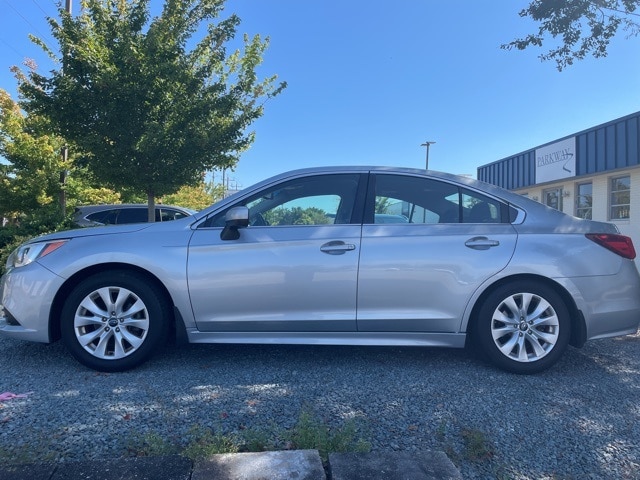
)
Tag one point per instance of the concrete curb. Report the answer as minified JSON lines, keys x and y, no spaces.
{"x":278,"y":465}
{"x":374,"y":466}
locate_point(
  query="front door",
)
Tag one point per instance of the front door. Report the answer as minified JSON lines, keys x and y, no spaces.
{"x":293,"y":269}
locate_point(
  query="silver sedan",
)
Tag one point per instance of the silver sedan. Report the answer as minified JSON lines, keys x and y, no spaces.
{"x":343,"y":255}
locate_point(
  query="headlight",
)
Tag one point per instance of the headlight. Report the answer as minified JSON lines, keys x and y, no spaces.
{"x":29,"y":252}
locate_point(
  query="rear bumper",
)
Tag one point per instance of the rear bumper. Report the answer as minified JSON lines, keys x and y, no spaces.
{"x":610,"y":304}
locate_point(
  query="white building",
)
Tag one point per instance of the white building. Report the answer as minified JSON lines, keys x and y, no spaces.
{"x":591,"y":174}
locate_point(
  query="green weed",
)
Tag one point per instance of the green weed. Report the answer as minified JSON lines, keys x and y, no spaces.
{"x":476,"y":445}
{"x":311,"y":433}
{"x":204,"y":442}
{"x":151,"y":445}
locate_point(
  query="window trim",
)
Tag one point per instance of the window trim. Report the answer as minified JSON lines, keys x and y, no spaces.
{"x":610,"y":194}
{"x":505,"y":208}
{"x":577,"y":208}
{"x":560,"y":191}
{"x":356,"y":213}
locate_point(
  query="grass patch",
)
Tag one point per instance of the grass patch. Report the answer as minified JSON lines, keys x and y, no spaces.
{"x":470,"y":445}
{"x":204,"y":442}
{"x":259,"y":440}
{"x":151,"y":445}
{"x":477,"y":446}
{"x":311,"y":433}
{"x":27,"y":454}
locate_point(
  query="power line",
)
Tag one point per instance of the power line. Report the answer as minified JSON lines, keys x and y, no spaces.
{"x":11,"y":47}
{"x":40,"y":8}
{"x":17,"y":45}
{"x":24,"y":18}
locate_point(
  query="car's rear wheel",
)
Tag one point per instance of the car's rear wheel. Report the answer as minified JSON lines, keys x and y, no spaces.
{"x":523,"y":327}
{"x":114,"y":321}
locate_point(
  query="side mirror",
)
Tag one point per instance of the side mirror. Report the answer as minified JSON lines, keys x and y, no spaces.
{"x":235,"y":218}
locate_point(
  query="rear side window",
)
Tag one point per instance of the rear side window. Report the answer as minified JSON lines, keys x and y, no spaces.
{"x":132,"y":215}
{"x":405,"y":199}
{"x":477,"y":208}
{"x":107,"y":217}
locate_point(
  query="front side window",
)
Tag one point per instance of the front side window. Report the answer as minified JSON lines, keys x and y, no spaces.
{"x":584,"y":201}
{"x":318,"y":200}
{"x":404,"y":199}
{"x":165,"y":214}
{"x":620,"y":198}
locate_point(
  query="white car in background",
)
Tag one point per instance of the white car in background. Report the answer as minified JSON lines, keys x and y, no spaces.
{"x":120,"y":213}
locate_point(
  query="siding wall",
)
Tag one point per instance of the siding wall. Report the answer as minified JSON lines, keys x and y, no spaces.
{"x":603,"y":152}
{"x":610,"y":146}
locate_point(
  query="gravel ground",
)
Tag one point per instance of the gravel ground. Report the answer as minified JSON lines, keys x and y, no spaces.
{"x":576,"y":421}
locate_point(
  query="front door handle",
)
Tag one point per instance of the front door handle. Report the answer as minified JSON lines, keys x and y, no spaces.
{"x":337,"y":247}
{"x":481,"y":243}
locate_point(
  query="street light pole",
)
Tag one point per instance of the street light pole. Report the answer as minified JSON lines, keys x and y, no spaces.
{"x":427,"y":144}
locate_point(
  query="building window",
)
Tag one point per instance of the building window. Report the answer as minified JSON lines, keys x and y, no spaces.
{"x":584,"y":201}
{"x":553,"y":198}
{"x":620,"y":198}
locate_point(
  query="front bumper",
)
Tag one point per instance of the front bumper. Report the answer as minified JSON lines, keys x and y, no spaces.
{"x":26,"y":296}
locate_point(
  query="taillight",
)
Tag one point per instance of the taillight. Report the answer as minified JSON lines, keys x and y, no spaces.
{"x":620,"y":244}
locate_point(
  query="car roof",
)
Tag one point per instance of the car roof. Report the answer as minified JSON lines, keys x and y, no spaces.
{"x":499,"y":192}
{"x":88,"y":209}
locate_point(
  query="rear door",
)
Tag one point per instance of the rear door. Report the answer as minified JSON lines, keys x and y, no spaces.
{"x":426,"y":247}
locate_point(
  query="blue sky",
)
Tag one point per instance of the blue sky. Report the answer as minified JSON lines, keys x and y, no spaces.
{"x":369,"y":81}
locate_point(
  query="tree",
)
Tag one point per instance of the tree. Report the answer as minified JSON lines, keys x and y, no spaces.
{"x":580,"y":26}
{"x":197,"y":198}
{"x":31,"y":165}
{"x":30,"y":173}
{"x":296,"y":216}
{"x":382,"y":204}
{"x":150,"y":113}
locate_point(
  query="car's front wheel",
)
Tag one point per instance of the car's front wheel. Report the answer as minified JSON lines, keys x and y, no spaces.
{"x":523,"y":327}
{"x":114,"y":321}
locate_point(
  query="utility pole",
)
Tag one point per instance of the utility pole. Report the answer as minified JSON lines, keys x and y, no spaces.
{"x":65,"y":149}
{"x":224,"y":183}
{"x":427,"y":144}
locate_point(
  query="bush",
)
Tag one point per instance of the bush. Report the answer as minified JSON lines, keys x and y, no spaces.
{"x":46,"y":220}
{"x":9,"y":241}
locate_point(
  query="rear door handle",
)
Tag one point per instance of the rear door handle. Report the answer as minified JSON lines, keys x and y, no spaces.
{"x":337,"y":247}
{"x":481,"y":243}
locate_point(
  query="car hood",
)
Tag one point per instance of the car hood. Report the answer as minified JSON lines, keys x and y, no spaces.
{"x":95,"y":231}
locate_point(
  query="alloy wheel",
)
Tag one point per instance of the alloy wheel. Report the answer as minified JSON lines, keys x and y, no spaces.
{"x":525,"y":327}
{"x":111,"y":323}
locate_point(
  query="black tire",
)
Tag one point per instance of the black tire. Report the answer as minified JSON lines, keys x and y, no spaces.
{"x":119,"y":336}
{"x":523,"y":327}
